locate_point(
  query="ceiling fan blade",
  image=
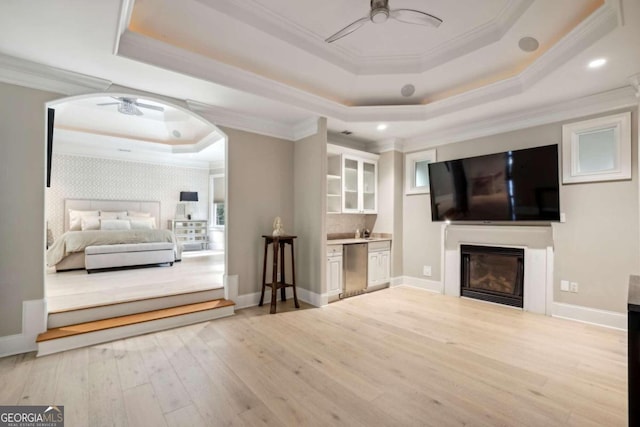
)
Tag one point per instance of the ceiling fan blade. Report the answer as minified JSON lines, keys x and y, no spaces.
{"x":348,"y":29}
{"x":411,"y":16}
{"x":109,"y":103}
{"x":149,"y":106}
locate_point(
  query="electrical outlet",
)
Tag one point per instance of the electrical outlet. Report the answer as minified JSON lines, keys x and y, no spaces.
{"x":564,"y":285}
{"x":574,"y":286}
{"x":426,"y":270}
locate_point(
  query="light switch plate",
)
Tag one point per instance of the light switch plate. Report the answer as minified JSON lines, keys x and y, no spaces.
{"x":563,"y":217}
{"x":564,"y":285}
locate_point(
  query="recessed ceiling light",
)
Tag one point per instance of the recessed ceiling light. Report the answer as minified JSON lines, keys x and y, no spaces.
{"x":528,"y":44}
{"x":597,"y":63}
{"x":382,"y":126}
{"x":176,"y":133}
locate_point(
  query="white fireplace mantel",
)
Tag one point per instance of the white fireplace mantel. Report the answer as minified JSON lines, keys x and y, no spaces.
{"x":537,"y":242}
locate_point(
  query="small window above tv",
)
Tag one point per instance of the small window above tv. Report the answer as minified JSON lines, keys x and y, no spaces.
{"x":517,"y":185}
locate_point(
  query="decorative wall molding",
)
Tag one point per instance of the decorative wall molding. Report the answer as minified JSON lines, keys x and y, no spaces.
{"x":608,"y":319}
{"x":26,"y":73}
{"x":258,"y":16}
{"x":34,"y":322}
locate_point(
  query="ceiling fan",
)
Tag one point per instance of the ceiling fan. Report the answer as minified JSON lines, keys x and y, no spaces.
{"x":130,"y":106}
{"x":379,"y":14}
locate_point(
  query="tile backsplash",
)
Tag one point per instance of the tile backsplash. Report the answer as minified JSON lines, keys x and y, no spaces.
{"x":348,"y":223}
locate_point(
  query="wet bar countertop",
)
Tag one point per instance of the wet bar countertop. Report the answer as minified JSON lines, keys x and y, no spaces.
{"x":347,"y":239}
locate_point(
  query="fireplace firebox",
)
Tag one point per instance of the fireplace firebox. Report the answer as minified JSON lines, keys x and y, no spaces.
{"x":493,"y":274}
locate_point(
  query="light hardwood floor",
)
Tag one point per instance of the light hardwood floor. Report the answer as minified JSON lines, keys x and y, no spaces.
{"x":397,"y":357}
{"x":76,"y":289}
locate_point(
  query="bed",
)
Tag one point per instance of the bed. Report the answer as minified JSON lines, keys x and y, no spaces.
{"x":68,"y":251}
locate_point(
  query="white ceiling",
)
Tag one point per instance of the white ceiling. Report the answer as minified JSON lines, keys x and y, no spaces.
{"x":264,"y":65}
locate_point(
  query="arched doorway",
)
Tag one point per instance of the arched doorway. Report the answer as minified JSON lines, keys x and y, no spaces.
{"x":130,"y":157}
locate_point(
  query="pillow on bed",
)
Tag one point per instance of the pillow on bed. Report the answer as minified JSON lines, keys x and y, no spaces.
{"x":75,"y":218}
{"x":115,"y":224}
{"x":112,"y":215}
{"x":142,"y":223}
{"x":140,"y":214}
{"x":90,"y":223}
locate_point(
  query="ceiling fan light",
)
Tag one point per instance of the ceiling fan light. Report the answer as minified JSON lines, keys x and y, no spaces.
{"x":127,"y":108}
{"x":379,"y":16}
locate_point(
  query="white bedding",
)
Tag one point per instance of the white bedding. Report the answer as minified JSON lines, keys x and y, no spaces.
{"x":77,"y":241}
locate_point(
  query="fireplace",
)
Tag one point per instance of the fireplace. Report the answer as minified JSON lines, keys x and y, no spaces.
{"x":493,"y":274}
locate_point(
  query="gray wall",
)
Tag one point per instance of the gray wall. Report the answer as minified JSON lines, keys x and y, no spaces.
{"x":260,"y":174}
{"x":310,"y":172}
{"x":390,"y":206}
{"x":597,"y":247}
{"x":22,"y":172}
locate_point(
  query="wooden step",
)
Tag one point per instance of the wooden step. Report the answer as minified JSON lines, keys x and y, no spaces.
{"x":90,"y":333}
{"x":60,"y":318}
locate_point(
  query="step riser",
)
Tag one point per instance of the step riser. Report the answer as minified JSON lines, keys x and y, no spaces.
{"x":74,"y":317}
{"x":112,"y":334}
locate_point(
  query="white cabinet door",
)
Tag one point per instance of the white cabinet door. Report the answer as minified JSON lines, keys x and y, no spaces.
{"x":359,"y":185}
{"x":373,"y":269}
{"x":334,"y":275}
{"x":379,"y":269}
{"x":368,"y":188}
{"x":385,"y":267}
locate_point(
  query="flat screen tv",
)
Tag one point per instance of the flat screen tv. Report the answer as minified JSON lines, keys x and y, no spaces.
{"x":518,"y":185}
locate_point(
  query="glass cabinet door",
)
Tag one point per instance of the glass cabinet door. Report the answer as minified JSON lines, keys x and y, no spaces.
{"x":350,"y":185}
{"x":369,"y":186}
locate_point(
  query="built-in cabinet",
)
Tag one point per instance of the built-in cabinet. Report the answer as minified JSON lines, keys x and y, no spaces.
{"x":352,"y":181}
{"x":379,"y":265}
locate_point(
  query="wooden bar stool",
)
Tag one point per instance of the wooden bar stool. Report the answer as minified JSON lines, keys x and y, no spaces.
{"x":278,"y":243}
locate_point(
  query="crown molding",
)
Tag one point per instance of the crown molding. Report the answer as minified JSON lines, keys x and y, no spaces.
{"x":385,"y":145}
{"x":224,"y":117}
{"x":31,"y":74}
{"x":126,"y":10}
{"x":346,"y":141}
{"x":581,"y":107}
{"x":158,"y":53}
{"x":304,"y":129}
{"x":85,"y":144}
{"x":264,"y":19}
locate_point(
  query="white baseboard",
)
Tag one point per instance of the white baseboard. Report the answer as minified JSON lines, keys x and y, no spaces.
{"x":34,"y":322}
{"x":251,"y":300}
{"x":415,"y":282}
{"x":608,"y":319}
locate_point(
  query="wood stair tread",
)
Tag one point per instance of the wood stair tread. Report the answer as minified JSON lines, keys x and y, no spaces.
{"x":115,"y":322}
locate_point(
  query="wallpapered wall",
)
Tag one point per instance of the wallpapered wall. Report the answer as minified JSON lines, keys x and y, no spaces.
{"x":76,"y":177}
